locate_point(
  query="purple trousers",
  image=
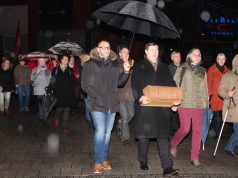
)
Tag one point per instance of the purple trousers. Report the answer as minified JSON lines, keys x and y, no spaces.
{"x":186,"y":115}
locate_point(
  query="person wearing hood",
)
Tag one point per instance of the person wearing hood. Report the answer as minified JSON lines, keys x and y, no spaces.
{"x":214,"y":75}
{"x":101,"y":77}
{"x":228,"y":91}
{"x":40,"y":78}
{"x":192,"y":79}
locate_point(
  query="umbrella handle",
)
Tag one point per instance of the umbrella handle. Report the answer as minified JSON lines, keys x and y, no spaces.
{"x":132,"y":39}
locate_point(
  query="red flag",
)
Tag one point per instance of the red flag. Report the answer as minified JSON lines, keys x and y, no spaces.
{"x":18,"y":38}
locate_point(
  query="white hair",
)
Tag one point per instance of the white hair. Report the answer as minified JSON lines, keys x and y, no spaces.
{"x":221,"y":55}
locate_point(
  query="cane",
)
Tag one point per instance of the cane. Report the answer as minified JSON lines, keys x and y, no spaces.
{"x":224,"y":121}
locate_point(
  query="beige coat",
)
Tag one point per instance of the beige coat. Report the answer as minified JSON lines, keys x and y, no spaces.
{"x":229,"y":82}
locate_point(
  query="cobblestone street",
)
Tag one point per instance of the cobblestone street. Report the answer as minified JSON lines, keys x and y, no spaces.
{"x":25,"y":152}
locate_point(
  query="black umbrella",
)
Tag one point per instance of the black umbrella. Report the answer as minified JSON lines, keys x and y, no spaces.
{"x":137,"y":17}
{"x":48,"y":101}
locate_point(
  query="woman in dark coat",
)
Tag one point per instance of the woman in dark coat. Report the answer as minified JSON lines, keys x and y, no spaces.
{"x":64,"y":90}
{"x":152,"y":122}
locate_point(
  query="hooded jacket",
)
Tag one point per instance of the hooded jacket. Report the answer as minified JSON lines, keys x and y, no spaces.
{"x":230,"y":82}
{"x":100,"y":81}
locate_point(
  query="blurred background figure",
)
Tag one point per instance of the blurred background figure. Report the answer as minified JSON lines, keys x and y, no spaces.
{"x":63,"y":84}
{"x":52,"y":64}
{"x":22,"y":76}
{"x":6,"y":86}
{"x":40,"y":78}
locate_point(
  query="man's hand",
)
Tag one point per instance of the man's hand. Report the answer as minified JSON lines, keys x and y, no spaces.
{"x":127,"y":65}
{"x":144,"y":100}
{"x":176,"y":103}
{"x":174,"y":108}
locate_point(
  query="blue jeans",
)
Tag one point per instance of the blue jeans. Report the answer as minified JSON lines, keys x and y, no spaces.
{"x":24,"y":96}
{"x":103,"y":124}
{"x":233,"y":140}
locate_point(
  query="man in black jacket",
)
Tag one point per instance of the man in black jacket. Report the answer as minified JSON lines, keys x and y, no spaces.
{"x":101,"y":77}
{"x":152,"y":122}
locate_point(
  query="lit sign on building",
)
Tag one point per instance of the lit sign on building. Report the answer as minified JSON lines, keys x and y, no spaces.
{"x":222,"y":26}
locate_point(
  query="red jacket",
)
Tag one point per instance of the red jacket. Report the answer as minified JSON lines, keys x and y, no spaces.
{"x":213,"y":79}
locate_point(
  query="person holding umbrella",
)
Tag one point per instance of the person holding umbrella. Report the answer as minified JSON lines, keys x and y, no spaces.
{"x":228,"y":90}
{"x":40,"y":78}
{"x":192,"y":79}
{"x":101,"y":77}
{"x":126,"y":101}
{"x":152,"y":122}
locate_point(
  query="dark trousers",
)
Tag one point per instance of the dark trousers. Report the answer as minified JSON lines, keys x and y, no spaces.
{"x":216,"y":121}
{"x":163,"y":148}
{"x":65,"y":112}
{"x":175,"y":124}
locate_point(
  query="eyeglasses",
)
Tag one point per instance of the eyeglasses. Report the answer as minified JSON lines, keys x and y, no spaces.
{"x":104,"y":48}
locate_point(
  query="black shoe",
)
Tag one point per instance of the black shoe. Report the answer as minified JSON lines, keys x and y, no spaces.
{"x":143,"y":165}
{"x":168,"y":172}
{"x":232,"y":153}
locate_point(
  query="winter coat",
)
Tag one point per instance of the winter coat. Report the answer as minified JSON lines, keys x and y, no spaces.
{"x":213,"y":79}
{"x":6,"y":80}
{"x":172,"y":69}
{"x":151,"y":122}
{"x":229,"y":82}
{"x":64,"y":87}
{"x":100,"y":80}
{"x":125,"y":93}
{"x":194,"y":87}
{"x":40,"y":78}
{"x":22,"y":75}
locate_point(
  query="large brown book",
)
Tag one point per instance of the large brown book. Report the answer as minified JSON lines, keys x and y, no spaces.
{"x":162,"y":96}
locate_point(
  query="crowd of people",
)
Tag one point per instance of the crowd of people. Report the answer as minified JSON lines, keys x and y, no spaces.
{"x":107,"y":84}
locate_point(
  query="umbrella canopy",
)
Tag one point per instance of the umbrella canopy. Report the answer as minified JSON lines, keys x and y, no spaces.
{"x":137,"y":17}
{"x":207,"y":119}
{"x":69,"y":48}
{"x":34,"y":56}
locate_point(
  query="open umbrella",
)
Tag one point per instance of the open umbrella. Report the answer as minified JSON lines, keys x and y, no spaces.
{"x":137,"y":17}
{"x":69,"y":48}
{"x":207,"y":119}
{"x":34,"y":56}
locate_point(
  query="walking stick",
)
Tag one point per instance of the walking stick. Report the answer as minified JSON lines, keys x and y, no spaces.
{"x":224,"y":120}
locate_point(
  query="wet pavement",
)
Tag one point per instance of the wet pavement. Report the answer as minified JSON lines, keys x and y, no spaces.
{"x":32,"y":148}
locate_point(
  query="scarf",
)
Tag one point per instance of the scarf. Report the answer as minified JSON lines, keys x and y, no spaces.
{"x":220,"y":68}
